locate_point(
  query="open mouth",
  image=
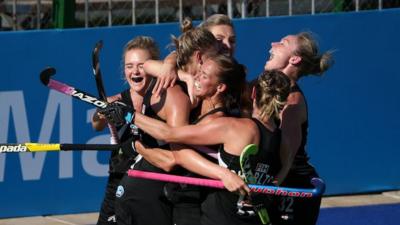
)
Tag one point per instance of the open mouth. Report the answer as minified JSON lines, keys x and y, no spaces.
{"x":137,"y":79}
{"x":197,"y":85}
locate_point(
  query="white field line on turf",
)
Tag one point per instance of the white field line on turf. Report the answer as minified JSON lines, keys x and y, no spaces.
{"x":59,"y":220}
{"x":395,"y":195}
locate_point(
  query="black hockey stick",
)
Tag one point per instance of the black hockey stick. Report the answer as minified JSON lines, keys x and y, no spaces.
{"x":97,"y":72}
{"x":69,"y":90}
{"x":115,"y":136}
{"x":44,"y":147}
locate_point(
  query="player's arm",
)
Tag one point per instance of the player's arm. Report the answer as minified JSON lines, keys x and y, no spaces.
{"x":175,"y":109}
{"x":161,"y":158}
{"x":200,"y":134}
{"x":165,"y":72}
{"x":192,"y":161}
{"x":291,"y":138}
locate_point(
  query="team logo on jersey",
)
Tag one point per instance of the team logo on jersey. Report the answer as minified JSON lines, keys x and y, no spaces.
{"x":120,"y":191}
{"x":112,"y":219}
{"x":12,"y":148}
{"x":261,"y":174}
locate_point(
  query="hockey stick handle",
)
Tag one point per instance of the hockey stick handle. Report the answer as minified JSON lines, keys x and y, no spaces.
{"x":67,"y":147}
{"x":44,"y":147}
{"x":97,"y":72}
{"x":176,"y":179}
{"x":270,"y":190}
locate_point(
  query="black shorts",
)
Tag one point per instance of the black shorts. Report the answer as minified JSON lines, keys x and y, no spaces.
{"x":186,"y":214}
{"x":142,"y":202}
{"x":186,"y":201}
{"x":220,"y":207}
{"x":295,"y":211}
{"x":107,"y":211}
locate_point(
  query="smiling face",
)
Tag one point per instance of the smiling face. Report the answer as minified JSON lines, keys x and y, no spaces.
{"x":206,"y":80}
{"x":226,"y":36}
{"x":133,"y":68}
{"x":281,"y":53}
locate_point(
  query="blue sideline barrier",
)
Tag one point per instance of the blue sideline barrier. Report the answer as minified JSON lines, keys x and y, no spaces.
{"x":353,"y":108}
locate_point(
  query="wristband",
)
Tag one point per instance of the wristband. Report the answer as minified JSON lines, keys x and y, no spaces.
{"x":130,"y":117}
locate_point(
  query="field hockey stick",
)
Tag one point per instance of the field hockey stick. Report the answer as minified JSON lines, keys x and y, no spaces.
{"x":69,"y":90}
{"x":43,"y":147}
{"x":115,"y":137}
{"x":318,"y":190}
{"x":250,"y":178}
{"x":97,"y":72}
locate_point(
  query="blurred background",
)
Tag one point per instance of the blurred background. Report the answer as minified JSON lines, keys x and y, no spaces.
{"x":47,"y":14}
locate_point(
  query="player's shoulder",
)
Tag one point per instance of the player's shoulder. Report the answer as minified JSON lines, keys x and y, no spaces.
{"x":175,"y":90}
{"x":295,"y":98}
{"x":176,"y":93}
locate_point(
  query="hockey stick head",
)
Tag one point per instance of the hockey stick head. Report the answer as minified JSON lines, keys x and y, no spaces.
{"x":319,"y":185}
{"x":245,"y":164}
{"x":46,"y":74}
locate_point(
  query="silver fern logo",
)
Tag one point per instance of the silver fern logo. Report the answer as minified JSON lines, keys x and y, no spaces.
{"x":120,"y":191}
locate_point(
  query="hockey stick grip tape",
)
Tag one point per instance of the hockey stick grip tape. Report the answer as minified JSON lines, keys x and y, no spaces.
{"x":271,"y":190}
{"x":176,"y":179}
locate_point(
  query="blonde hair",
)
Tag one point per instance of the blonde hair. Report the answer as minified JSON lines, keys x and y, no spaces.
{"x":191,"y":40}
{"x":313,"y":62}
{"x":215,"y":20}
{"x":272,"y":89}
{"x":145,"y":43}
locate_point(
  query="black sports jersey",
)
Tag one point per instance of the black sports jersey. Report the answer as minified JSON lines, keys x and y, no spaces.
{"x":148,"y":140}
{"x":220,"y":206}
{"x":119,"y":162}
{"x":122,"y":159}
{"x":187,"y":199}
{"x":300,"y":164}
{"x":141,"y":201}
{"x":294,"y":211}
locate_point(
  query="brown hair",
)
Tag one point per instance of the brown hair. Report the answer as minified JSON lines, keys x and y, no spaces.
{"x":233,"y":75}
{"x":313,"y":62}
{"x":272,"y":88}
{"x":191,"y":40}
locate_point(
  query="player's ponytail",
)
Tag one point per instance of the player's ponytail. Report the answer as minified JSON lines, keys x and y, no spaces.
{"x":312,"y":61}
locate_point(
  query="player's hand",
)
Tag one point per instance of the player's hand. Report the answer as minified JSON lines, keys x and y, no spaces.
{"x":167,"y":79}
{"x":118,"y":113}
{"x":234,"y":183}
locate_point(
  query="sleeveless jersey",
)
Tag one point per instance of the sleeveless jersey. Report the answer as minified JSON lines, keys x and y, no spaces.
{"x":220,"y":207}
{"x":290,"y":210}
{"x":148,"y":140}
{"x":187,"y":195}
{"x":120,"y":160}
{"x":142,"y":201}
{"x":301,"y":165}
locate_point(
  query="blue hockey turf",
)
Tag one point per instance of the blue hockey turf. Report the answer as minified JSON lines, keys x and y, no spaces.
{"x":387,"y":214}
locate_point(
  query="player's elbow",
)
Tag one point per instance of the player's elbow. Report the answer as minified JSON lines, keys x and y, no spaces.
{"x":169,"y":164}
{"x":98,"y":126}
